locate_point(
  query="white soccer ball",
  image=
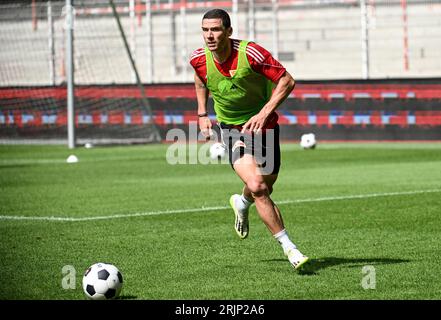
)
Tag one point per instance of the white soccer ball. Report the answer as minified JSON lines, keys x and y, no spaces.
{"x":72,"y":159}
{"x":102,"y":281}
{"x":217,"y":151}
{"x":308,"y":141}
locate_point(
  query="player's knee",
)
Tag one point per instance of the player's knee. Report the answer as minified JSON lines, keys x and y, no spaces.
{"x":257,"y":187}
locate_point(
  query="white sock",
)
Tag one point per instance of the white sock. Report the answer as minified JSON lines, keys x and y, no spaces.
{"x":244,"y":203}
{"x":283,"y":238}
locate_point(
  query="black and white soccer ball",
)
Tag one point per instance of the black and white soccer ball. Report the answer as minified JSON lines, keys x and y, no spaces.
{"x":102,"y":281}
{"x":308,"y":141}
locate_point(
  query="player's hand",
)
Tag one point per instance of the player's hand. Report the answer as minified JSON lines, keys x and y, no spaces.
{"x":255,"y":124}
{"x":205,"y":126}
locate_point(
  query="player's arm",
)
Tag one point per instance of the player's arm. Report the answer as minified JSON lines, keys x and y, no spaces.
{"x":202,"y":98}
{"x":283,"y":88}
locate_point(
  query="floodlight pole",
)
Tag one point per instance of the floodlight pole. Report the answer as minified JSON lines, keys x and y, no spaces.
{"x":70,"y":74}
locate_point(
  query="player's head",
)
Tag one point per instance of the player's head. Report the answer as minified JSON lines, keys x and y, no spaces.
{"x":219,"y":14}
{"x":216,"y":28}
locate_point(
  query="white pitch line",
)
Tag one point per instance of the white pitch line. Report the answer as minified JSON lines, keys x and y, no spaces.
{"x":204,"y":209}
{"x":359,"y":196}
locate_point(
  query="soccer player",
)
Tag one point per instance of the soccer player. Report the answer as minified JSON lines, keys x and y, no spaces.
{"x":247,"y":85}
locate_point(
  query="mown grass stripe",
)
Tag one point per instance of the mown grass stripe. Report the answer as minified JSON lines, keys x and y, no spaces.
{"x":204,"y":209}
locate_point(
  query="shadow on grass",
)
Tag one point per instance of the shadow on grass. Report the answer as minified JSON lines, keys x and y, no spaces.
{"x":314,"y":265}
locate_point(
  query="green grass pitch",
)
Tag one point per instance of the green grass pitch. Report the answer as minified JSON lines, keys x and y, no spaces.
{"x":349,"y":207}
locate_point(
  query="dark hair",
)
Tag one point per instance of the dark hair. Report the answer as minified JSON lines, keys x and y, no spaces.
{"x":219,"y":14}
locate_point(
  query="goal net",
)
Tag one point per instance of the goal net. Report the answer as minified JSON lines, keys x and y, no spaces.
{"x":110,"y":104}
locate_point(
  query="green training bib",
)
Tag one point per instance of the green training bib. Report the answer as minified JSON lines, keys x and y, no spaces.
{"x":241,"y":96}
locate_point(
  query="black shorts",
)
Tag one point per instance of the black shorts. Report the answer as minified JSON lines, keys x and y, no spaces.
{"x":265,"y":147}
